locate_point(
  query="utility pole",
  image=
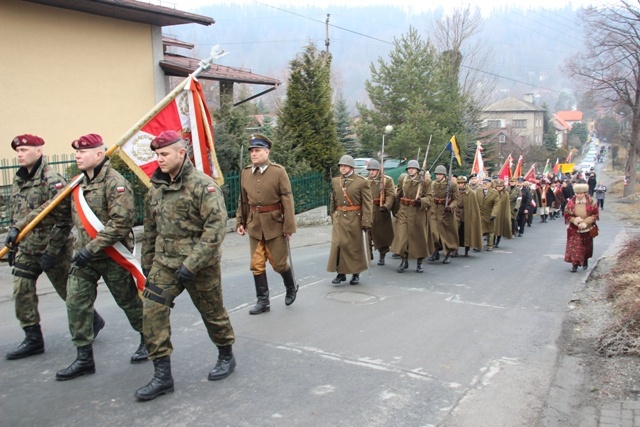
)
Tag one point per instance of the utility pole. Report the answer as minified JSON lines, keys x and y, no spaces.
{"x":326,"y":40}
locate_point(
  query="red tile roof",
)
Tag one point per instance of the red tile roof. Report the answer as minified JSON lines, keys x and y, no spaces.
{"x":570,"y":115}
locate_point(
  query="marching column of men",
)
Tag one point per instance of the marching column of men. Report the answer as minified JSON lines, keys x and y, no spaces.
{"x":184,"y":228}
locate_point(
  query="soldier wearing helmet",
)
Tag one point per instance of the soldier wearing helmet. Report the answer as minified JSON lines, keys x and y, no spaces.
{"x":468,"y":213}
{"x":351,"y":213}
{"x":412,"y":238}
{"x":442,"y":201}
{"x":383,"y":193}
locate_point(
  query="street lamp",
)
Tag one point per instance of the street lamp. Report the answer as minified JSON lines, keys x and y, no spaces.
{"x":387,"y":130}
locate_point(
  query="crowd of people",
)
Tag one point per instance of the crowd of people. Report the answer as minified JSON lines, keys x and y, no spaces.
{"x":184,"y":226}
{"x":423,"y":219}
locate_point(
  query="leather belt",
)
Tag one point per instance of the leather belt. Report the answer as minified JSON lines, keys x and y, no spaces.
{"x":439,"y":201}
{"x":348,"y":208}
{"x":408,"y":202}
{"x":269,"y":208}
{"x":376,"y":201}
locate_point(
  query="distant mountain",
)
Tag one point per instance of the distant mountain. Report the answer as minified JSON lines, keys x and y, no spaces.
{"x":529,"y":47}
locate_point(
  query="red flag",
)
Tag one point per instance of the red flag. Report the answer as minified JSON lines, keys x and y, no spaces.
{"x":531,"y":175}
{"x":187,"y":113}
{"x":569,"y":157}
{"x":478,"y":163}
{"x":556,"y":167}
{"x":518,"y":172}
{"x":505,"y":171}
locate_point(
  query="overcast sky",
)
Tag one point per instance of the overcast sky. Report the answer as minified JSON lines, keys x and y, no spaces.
{"x":414,"y":6}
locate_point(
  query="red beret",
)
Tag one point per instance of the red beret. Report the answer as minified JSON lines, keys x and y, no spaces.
{"x":26,"y":140}
{"x":165,"y":139}
{"x":91,"y":140}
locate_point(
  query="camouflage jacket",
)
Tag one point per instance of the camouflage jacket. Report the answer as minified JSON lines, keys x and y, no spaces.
{"x":185,"y":220}
{"x":110,"y":198}
{"x":28,"y":192}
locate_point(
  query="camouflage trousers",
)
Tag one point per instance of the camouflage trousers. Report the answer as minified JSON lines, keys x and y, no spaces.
{"x":25,"y":275}
{"x":205,"y":292}
{"x":274,"y":250}
{"x":82,"y":290}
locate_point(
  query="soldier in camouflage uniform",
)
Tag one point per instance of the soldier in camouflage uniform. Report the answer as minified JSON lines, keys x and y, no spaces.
{"x":442,"y":201}
{"x":266,"y":213}
{"x":184,"y":228}
{"x":383,"y":202}
{"x":47,"y":248}
{"x":110,"y":198}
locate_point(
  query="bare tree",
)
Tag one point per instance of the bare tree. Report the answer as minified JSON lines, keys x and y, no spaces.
{"x":610,"y":67}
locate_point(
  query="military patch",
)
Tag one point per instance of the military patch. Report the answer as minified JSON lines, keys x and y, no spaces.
{"x":58,"y":185}
{"x":120,"y":189}
{"x":211,"y":189}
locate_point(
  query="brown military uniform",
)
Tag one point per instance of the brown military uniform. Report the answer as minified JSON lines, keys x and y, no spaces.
{"x":266,"y":211}
{"x":489,"y":205}
{"x":503,"y":219}
{"x":412,"y":239}
{"x":382,"y":228}
{"x":351,"y":208}
{"x":468,"y":212}
{"x":443,"y":224}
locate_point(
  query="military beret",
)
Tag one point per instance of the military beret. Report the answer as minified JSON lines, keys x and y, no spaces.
{"x":91,"y":140}
{"x":26,"y":140}
{"x":166,"y":138}
{"x":257,"y":140}
{"x":462,"y":180}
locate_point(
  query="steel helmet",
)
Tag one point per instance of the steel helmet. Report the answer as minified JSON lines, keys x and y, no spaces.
{"x":373,"y":164}
{"x":441,"y":169}
{"x":413,"y":164}
{"x":347,"y":160}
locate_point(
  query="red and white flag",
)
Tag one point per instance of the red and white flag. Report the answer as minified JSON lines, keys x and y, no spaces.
{"x":531,"y":174}
{"x":478,"y":164}
{"x":556,"y":167}
{"x":118,"y":252}
{"x":518,"y":172}
{"x":187,"y":114}
{"x":505,"y":171}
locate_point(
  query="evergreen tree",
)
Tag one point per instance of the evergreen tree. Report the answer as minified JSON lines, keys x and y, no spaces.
{"x":581,"y":131}
{"x":549,"y":134}
{"x":343,"y":127}
{"x":306,"y":129}
{"x":230,"y":134}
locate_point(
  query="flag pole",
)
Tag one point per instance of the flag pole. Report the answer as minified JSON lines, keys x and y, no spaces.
{"x":49,"y":205}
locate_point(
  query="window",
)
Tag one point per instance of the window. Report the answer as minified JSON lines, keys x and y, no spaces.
{"x":502,"y":138}
{"x":520,"y":123}
{"x":494,"y":124}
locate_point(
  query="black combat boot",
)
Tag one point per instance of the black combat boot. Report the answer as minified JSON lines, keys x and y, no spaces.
{"x":339,"y":278}
{"x":225,"y":365}
{"x":434,"y":256}
{"x":355,"y":279}
{"x":141,"y":354}
{"x":291,"y":285}
{"x":466,"y":251}
{"x":161,"y":383}
{"x":447,"y":258}
{"x":83,"y":365}
{"x":497,"y":241}
{"x":419,"y":268}
{"x":403,"y":266}
{"x":33,"y":344}
{"x":262,"y":291}
{"x":381,"y":260}
{"x":98,"y":323}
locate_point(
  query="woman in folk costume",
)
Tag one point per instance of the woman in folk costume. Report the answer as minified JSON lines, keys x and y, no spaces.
{"x":581,"y":215}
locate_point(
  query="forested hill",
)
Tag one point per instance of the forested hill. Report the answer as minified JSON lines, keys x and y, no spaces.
{"x":527,"y":46}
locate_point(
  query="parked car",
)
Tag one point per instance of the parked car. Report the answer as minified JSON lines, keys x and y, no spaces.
{"x":394,"y":168}
{"x":361,"y":165}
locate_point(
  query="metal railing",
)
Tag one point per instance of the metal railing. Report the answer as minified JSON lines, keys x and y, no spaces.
{"x":309,"y":191}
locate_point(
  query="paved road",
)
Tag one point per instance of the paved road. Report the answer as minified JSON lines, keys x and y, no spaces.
{"x":472,"y":343}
